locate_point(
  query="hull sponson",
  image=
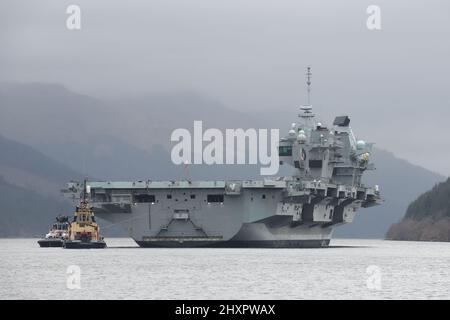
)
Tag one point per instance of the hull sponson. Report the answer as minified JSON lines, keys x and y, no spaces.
{"x":263,"y":231}
{"x":267,"y":234}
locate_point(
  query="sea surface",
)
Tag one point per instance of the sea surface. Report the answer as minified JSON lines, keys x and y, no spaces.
{"x":349,"y":269}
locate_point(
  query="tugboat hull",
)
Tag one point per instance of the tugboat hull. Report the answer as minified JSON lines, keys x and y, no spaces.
{"x":46,"y":243}
{"x":74,"y":244}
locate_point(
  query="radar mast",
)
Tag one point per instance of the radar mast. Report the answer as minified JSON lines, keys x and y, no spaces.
{"x":307,"y":114}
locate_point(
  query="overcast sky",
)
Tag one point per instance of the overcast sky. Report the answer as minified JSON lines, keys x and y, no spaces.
{"x":251,"y":55}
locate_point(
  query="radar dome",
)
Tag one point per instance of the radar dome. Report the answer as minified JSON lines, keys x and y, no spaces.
{"x":301,"y":138}
{"x":360,"y":144}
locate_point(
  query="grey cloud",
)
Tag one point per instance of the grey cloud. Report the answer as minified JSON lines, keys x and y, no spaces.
{"x":251,"y":55}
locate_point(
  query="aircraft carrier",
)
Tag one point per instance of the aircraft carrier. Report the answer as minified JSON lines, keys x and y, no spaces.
{"x":297,"y":211}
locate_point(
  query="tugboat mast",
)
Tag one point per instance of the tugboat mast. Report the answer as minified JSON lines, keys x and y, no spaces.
{"x":84,"y":191}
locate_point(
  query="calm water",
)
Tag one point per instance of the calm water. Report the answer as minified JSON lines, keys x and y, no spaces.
{"x":399,"y":270}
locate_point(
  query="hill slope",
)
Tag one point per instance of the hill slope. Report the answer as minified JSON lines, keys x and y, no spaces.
{"x":25,"y":213}
{"x":29,"y":189}
{"x":24,"y":166}
{"x":427,"y":218}
{"x":30,"y":197}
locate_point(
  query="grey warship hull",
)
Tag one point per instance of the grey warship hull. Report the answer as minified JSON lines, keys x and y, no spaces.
{"x":252,"y":235}
{"x":266,"y":213}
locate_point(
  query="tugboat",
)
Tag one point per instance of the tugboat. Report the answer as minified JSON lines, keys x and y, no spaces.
{"x":84,"y":232}
{"x":58,"y":232}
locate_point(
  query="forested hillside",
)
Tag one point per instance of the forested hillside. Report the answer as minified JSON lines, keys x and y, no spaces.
{"x":427,"y":218}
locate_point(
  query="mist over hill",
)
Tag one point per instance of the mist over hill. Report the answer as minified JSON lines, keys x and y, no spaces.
{"x":27,"y":167}
{"x":74,"y":135}
{"x":25,"y":212}
{"x":30,"y":184}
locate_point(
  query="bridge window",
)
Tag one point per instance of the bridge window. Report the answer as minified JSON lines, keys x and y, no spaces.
{"x":215,"y":198}
{"x":315,"y":163}
{"x":285,"y":151}
{"x":144,"y":198}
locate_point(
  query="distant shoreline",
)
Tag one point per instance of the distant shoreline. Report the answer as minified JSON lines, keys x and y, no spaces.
{"x":429,"y":229}
{"x":395,"y":228}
